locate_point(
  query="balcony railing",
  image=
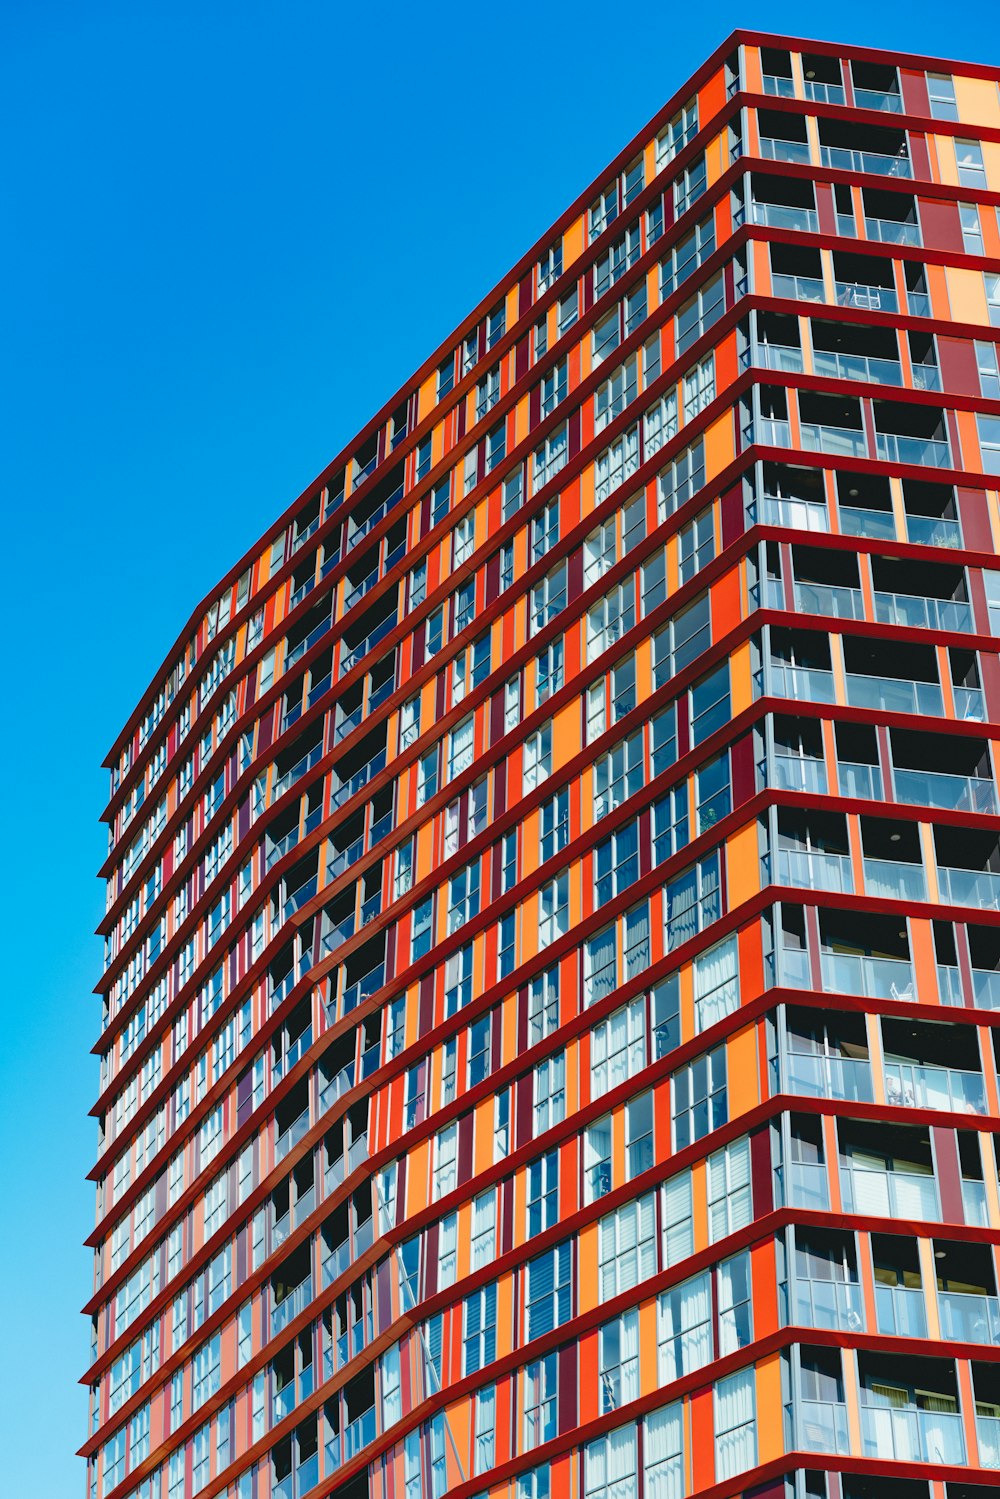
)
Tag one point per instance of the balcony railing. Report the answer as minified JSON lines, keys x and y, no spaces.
{"x":858,"y":973}
{"x":890,"y":1194}
{"x":985,"y":989}
{"x":824,"y":93}
{"x":774,"y":148}
{"x":930,"y":531}
{"x":783,"y":357}
{"x":835,"y":600}
{"x":988,"y":1441}
{"x":893,"y":231}
{"x":834,"y":1304}
{"x":811,"y":869}
{"x":847,"y":160}
{"x":895,"y":447}
{"x":798,"y":515}
{"x":818,"y":1076}
{"x":894,"y":880}
{"x":894,"y":695}
{"x":912,"y":1436}
{"x":798,"y":773}
{"x":858,"y":779}
{"x":821,"y":1426}
{"x":912,"y":1085}
{"x":296,"y":1301}
{"x":868,"y":298}
{"x":776,"y":83}
{"x":836,"y":366}
{"x":842,"y":442}
{"x":798,"y":288}
{"x":785,"y":216}
{"x":870,"y":98}
{"x":952,"y":793}
{"x":900,"y":1311}
{"x":801,"y":683}
{"x":970,"y":887}
{"x":291,"y":1136}
{"x":923,"y":613}
{"x":878,"y":524}
{"x":969,"y":1318}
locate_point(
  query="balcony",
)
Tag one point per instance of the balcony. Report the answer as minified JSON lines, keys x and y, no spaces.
{"x":893,"y":880}
{"x":797,"y":288}
{"x":825,"y":93}
{"x":778,"y":84}
{"x":866,"y":297}
{"x":849,"y":159}
{"x":880,"y":99}
{"x":784,"y":357}
{"x":894,"y":695}
{"x":988,"y":1441}
{"x":801,"y":683}
{"x":923,"y":613}
{"x":876,"y":978}
{"x":834,"y":1304}
{"x":840,"y":442}
{"x":900,"y":1311}
{"x":291,"y":1136}
{"x":837,"y":366}
{"x":951,"y":793}
{"x":893,"y":231}
{"x":820,"y":1075}
{"x":785,"y":216}
{"x":932,"y":531}
{"x":967,"y":1318}
{"x":911,"y":1085}
{"x":890,"y":1194}
{"x":837,"y":601}
{"x":798,"y":773}
{"x":821,"y":1426}
{"x":908,"y":1435}
{"x":970,"y":887}
{"x":811,"y":869}
{"x":295,"y":1302}
{"x":773,"y":148}
{"x":895,"y":447}
{"x":796,"y":515}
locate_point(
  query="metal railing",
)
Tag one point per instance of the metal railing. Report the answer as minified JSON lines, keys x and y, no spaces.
{"x":923,"y":613}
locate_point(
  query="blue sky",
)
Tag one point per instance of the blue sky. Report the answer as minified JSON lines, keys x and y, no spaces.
{"x":231,"y":233}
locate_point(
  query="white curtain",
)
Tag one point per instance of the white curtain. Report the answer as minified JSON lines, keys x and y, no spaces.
{"x":664,"y":1457}
{"x":716,"y":984}
{"x":735,"y":1444}
{"x":678,"y":1225}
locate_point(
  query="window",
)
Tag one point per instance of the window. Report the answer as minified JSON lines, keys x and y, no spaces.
{"x":660,"y":423}
{"x":638,"y":1135}
{"x":604,"y":211}
{"x":617,"y":259}
{"x":549,"y":1093}
{"x":445,"y":1161}
{"x":548,"y":597}
{"x":423,"y":926}
{"x":617,"y":1048}
{"x":463,"y":541}
{"x":689,"y":186}
{"x":461,"y":747}
{"x":735,"y":1425}
{"x":729,"y":1199}
{"x":989,"y":442}
{"x":699,"y":312}
{"x":463,"y":897}
{"x":971,"y":170}
{"x":616,"y":863}
{"x":698,"y":1092}
{"x":618,"y":1356}
{"x":440,"y":500}
{"x":553,"y":909}
{"x":480,"y":1036}
{"x":549,"y":267}
{"x":445,"y":376}
{"x":537,"y":757}
{"x":627,"y":1249}
{"x":992,"y":288}
{"x":484,"y":1215}
{"x":548,"y":1300}
{"x":692,"y":901}
{"x":618,"y":775}
{"x":680,"y":479}
{"x":597,"y":1159}
{"x":716,"y":984}
{"x":710,"y":704}
{"x":681,"y":262}
{"x":684,"y":1327}
{"x":544,"y":530}
{"x":678,"y":1228}
{"x":496,"y":322}
{"x":675,"y":136}
{"x":496,"y":446}
{"x":663,"y":1453}
{"x":569,"y":310}
{"x":553,"y":825}
{"x":611,"y":618}
{"x":540,"y":1387}
{"x":486,"y":1415}
{"x":972,"y":229}
{"x":507,"y":944}
{"x":487,"y":392}
{"x":611,"y":1466}
{"x":941,"y":91}
{"x":735,"y":1307}
{"x":989,"y":373}
{"x":554,"y":385}
{"x":434,"y":632}
{"x":549,"y":670}
{"x":543,"y":1005}
{"x":549,"y":457}
{"x":512,"y":493}
{"x":543,"y":1193}
{"x":409,"y":722}
{"x":479,"y":1342}
{"x":605,"y":337}
{"x":206,"y":1374}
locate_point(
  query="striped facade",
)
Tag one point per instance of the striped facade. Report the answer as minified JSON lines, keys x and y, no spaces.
{"x":552,"y":948}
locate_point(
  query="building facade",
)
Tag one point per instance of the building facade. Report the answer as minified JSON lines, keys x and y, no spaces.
{"x":552,"y":936}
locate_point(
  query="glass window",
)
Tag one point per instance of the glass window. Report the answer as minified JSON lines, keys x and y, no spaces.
{"x":735,"y":1424}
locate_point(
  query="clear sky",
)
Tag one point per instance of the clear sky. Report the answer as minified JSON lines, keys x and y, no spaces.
{"x":230,"y":232}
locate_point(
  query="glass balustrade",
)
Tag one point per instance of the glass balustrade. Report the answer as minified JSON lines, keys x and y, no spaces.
{"x":803,"y":1184}
{"x":774,"y":83}
{"x":857,"y":521}
{"x":968,"y":1318}
{"x":296,"y":1301}
{"x":834,"y":600}
{"x":797,"y":773}
{"x":900,"y":1311}
{"x":837,"y":1305}
{"x":974,"y":1206}
{"x":894,"y":695}
{"x":969,"y":704}
{"x":824,"y":93}
{"x":889,"y":1194}
{"x":868,"y":298}
{"x":988,"y":1441}
{"x":821,"y":1426}
{"x":794,"y":968}
{"x":970,"y":887}
{"x":893,"y":231}
{"x":985,"y":989}
{"x":916,"y":1086}
{"x":912,"y":1436}
{"x":812,"y":869}
{"x":842,"y":442}
{"x":798,"y":515}
{"x":797,"y":288}
{"x":935,"y":788}
{"x":839,"y":366}
{"x":845,"y":159}
{"x":923,"y":613}
{"x":950,"y":985}
{"x":926,"y":377}
{"x":801,"y":683}
{"x":774,"y":148}
{"x":930,"y":531}
{"x":854,"y":778}
{"x":880,"y":99}
{"x":819,"y":1076}
{"x":785,"y":216}
{"x":292,"y":1135}
{"x":785,"y":357}
{"x":876,"y":978}
{"x":895,"y":447}
{"x":895,"y":881}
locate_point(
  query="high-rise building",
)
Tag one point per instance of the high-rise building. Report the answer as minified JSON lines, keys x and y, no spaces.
{"x":553,"y":908}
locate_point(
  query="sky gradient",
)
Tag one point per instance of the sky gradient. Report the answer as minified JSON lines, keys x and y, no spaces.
{"x":231,"y":232}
